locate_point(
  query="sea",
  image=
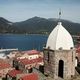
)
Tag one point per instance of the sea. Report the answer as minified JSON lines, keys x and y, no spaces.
{"x":23,"y":41}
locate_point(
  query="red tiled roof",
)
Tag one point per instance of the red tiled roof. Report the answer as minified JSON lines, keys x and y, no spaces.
{"x":26,"y":61}
{"x":14,"y":72}
{"x":31,"y":76}
{"x":4,"y":64}
{"x":31,"y":52}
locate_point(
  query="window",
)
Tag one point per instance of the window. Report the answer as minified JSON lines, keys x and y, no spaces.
{"x":48,"y":55}
{"x":30,"y":57}
{"x":72,"y":56}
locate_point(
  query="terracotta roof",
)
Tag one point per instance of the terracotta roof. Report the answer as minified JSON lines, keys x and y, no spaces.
{"x":31,"y":76}
{"x":31,"y":52}
{"x":4,"y":64}
{"x":14,"y":72}
{"x":26,"y":61}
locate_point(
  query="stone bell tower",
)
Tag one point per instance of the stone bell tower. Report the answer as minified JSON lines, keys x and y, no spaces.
{"x":59,"y":54}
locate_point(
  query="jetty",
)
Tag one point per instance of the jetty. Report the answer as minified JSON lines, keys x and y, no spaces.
{"x":5,"y":50}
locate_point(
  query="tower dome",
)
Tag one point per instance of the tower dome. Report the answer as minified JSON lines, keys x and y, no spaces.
{"x":59,"y":38}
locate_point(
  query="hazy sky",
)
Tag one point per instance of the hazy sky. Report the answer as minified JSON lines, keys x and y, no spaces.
{"x":20,"y":10}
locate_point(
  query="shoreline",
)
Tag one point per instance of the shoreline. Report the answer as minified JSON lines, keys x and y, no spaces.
{"x":24,"y":34}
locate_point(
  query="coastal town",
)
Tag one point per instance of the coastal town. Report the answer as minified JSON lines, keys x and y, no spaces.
{"x":20,"y":65}
{"x":39,"y":39}
{"x":35,"y":65}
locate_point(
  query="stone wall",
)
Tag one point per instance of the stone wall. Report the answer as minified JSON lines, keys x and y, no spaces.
{"x":51,"y":66}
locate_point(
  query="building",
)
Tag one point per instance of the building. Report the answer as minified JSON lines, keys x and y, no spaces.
{"x":14,"y":54}
{"x":31,"y":54}
{"x":11,"y":75}
{"x":29,"y":59}
{"x":59,"y":54}
{"x":27,"y":65}
{"x":4,"y":68}
{"x":78,"y":54}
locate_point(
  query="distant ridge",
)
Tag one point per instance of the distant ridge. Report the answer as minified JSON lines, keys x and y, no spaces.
{"x":36,"y":25}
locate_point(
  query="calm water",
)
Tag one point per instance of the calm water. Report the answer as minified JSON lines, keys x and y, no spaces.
{"x":23,"y":42}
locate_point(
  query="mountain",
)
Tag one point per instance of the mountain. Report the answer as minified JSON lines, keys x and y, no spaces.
{"x":6,"y":26}
{"x":36,"y":25}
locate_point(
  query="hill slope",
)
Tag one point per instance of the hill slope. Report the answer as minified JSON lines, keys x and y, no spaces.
{"x":6,"y":26}
{"x":37,"y":25}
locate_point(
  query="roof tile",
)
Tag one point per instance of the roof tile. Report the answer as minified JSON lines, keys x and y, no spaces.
{"x":14,"y":72}
{"x":31,"y":76}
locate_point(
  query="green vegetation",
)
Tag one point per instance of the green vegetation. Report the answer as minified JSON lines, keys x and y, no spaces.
{"x":36,"y":25}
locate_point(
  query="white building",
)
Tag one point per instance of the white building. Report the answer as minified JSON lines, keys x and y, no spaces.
{"x":31,"y":54}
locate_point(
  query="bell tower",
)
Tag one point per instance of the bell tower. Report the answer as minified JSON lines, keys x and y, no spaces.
{"x":59,"y":54}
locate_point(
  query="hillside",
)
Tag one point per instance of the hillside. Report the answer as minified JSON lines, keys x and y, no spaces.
{"x":36,"y":25}
{"x":6,"y":26}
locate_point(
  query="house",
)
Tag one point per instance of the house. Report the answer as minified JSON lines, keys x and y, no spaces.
{"x":28,"y":60}
{"x":14,"y":54}
{"x":4,"y":68}
{"x":31,"y":54}
{"x":26,"y":65}
{"x":12,"y":74}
